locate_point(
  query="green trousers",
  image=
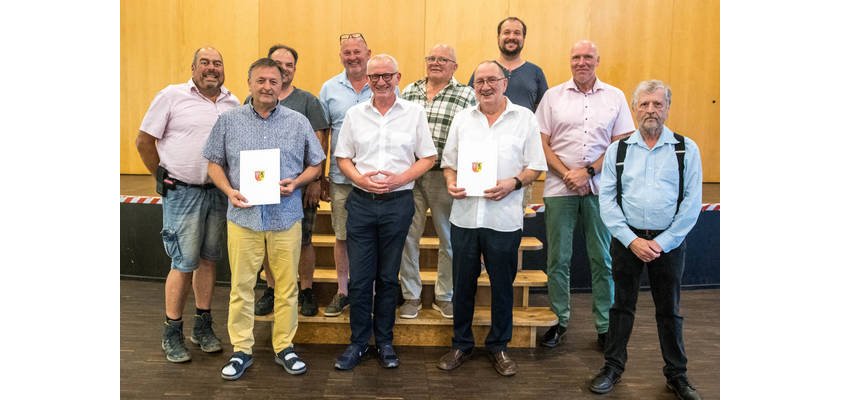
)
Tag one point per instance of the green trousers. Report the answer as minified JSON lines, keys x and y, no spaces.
{"x":562,"y":215}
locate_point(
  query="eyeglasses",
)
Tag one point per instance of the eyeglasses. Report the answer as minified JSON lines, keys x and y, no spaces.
{"x":442,"y":60}
{"x":346,"y":36}
{"x":385,"y":77}
{"x":490,"y":81}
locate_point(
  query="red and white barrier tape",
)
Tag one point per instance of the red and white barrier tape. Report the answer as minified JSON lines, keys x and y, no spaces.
{"x":535,"y":207}
{"x":140,"y":199}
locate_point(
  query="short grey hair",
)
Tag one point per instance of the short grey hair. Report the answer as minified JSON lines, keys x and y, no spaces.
{"x":651,"y":86}
{"x":384,"y":57}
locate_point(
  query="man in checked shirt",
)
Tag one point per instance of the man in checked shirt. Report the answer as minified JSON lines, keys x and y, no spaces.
{"x":442,"y":96}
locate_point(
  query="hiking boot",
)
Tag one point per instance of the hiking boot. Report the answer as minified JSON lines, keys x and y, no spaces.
{"x":444,"y":307}
{"x":335,"y":308}
{"x":265,"y":305}
{"x":306,"y":299}
{"x":203,"y":334}
{"x":410,"y":308}
{"x":173,"y":342}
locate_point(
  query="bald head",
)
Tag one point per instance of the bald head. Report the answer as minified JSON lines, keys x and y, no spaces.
{"x":583,"y":60}
{"x":441,"y":64}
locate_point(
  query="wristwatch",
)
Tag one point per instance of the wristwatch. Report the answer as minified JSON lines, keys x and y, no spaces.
{"x":519,"y":184}
{"x":591,"y":170}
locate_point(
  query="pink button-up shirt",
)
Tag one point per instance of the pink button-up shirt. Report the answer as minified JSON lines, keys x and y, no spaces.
{"x":181,"y":118}
{"x":580,"y":127}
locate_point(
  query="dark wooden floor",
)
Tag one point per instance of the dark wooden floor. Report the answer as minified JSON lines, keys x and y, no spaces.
{"x":560,"y":373}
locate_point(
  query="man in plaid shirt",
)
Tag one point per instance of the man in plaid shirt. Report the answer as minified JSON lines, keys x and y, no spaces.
{"x":442,"y":97}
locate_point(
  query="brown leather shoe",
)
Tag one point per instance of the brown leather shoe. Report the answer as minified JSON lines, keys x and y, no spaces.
{"x":503,"y":364}
{"x":453,"y":359}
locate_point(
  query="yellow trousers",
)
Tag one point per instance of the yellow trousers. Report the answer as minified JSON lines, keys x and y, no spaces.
{"x":246,"y":249}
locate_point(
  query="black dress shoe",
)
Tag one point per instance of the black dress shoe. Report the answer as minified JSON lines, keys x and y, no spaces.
{"x":604,"y":381}
{"x":554,"y":336}
{"x":683,"y":390}
{"x":387,"y":356}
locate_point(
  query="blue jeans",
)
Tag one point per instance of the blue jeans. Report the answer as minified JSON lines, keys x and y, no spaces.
{"x":194,"y":220}
{"x":499,"y":250}
{"x":664,"y":275}
{"x":376,"y":232}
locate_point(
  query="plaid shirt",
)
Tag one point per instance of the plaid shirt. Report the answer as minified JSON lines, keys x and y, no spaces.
{"x":440,"y":111}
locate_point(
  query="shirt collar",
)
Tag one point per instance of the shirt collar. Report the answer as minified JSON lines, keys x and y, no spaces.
{"x":398,"y":102}
{"x":667,"y":136}
{"x":193,"y":88}
{"x":251,"y":104}
{"x":508,"y":107}
{"x":343,"y":79}
{"x":570,"y":85}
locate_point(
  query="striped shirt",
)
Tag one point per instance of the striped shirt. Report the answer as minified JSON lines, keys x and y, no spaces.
{"x":243,"y":129}
{"x":440,"y":111}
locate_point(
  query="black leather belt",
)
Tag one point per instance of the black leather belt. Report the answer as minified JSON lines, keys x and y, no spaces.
{"x":647,"y":234}
{"x":179,"y":183}
{"x":384,"y":196}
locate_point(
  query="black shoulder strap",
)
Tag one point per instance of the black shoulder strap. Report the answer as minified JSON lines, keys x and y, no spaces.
{"x":680,"y":152}
{"x":620,"y":166}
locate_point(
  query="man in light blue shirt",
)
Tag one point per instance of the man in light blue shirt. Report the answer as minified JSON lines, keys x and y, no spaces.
{"x":649,"y":217}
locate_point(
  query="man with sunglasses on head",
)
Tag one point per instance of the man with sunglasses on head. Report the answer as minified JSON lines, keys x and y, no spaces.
{"x":442,"y":96}
{"x":489,"y":226}
{"x":338,"y":94}
{"x":578,"y":120}
{"x":384,"y":145}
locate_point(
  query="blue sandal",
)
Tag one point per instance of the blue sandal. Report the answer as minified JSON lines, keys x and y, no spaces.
{"x":236,"y":366}
{"x":290,"y":361}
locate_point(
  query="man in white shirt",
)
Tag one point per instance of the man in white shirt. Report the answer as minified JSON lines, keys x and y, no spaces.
{"x":491,"y":225}
{"x":383,"y":146}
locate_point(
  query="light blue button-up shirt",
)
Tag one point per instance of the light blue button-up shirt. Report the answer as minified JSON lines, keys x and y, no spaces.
{"x":337,"y":96}
{"x":243,"y":129}
{"x":650,"y":189}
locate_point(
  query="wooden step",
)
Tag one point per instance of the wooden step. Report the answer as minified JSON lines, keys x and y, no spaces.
{"x":524,"y":278}
{"x":426,"y":243}
{"x":324,"y":209}
{"x":428,"y":329}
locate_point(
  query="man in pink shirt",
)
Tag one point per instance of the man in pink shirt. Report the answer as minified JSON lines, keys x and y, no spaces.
{"x":578,"y":119}
{"x":170,"y":142}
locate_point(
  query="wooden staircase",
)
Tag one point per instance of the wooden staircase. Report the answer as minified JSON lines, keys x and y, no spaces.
{"x":429,"y":328}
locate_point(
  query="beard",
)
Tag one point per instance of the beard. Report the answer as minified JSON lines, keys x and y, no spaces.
{"x":510,"y":53}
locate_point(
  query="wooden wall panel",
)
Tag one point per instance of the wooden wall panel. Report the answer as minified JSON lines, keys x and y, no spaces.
{"x":553,"y":27}
{"x":389,"y":26}
{"x":633,"y":40}
{"x":695,"y":79}
{"x":312,"y":28}
{"x":673,"y":40}
{"x":149,"y":60}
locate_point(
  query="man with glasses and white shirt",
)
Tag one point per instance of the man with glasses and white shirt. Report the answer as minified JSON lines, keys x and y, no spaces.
{"x":491,"y":225}
{"x":384,"y":145}
{"x":442,"y":96}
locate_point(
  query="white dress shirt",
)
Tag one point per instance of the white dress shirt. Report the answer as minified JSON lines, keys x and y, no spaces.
{"x":390,"y":142}
{"x":518,"y":147}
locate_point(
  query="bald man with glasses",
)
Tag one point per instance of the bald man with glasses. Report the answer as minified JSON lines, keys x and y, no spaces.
{"x":441,"y":96}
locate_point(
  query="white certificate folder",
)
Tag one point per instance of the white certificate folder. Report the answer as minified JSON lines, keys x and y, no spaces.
{"x":259,"y":174}
{"x":477,"y":164}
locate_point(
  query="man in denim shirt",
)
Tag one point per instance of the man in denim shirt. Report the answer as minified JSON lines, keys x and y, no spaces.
{"x":275,"y":227}
{"x":642,"y":207}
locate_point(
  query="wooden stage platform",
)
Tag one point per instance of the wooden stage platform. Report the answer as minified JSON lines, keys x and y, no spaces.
{"x":560,"y":373}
